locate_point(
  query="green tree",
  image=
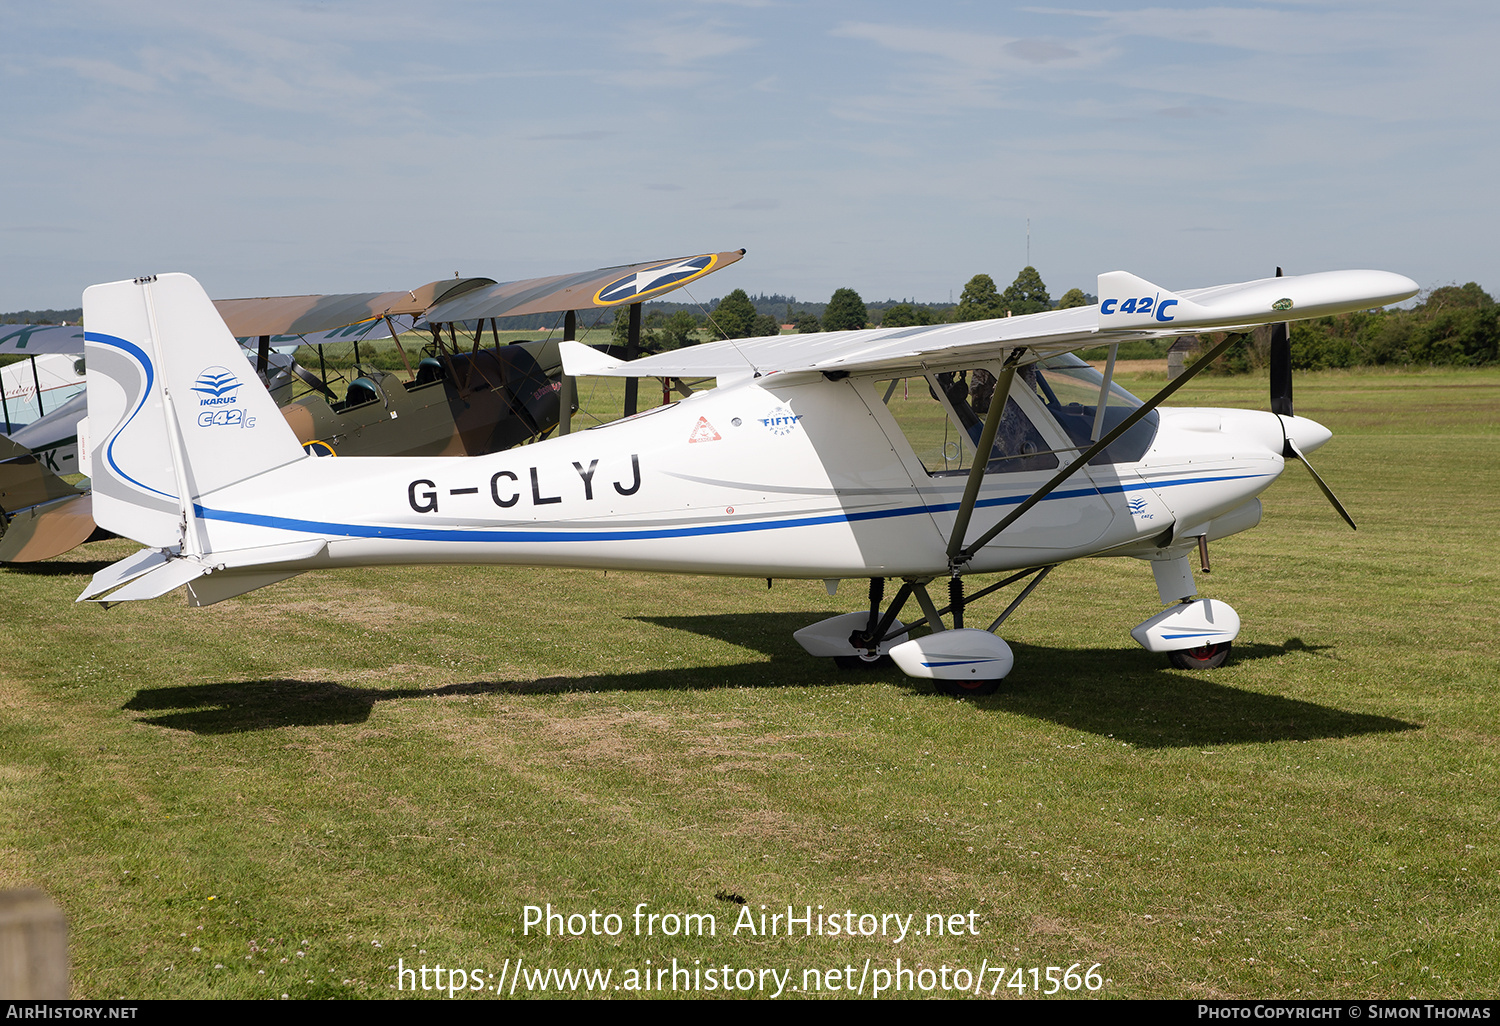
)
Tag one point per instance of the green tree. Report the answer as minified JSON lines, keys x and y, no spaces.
{"x":765,"y":324}
{"x":1072,"y":298}
{"x":1026,"y":294}
{"x":620,"y":332}
{"x":677,"y":330}
{"x":902,"y":315}
{"x":734,"y":317}
{"x":980,"y":300}
{"x":808,"y":323}
{"x":845,"y":312}
{"x":905,"y":315}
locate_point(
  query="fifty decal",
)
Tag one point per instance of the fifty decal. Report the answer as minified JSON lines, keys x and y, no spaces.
{"x":506,"y":489}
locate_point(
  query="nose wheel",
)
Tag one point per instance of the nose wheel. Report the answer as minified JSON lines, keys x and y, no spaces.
{"x":967,"y":688}
{"x":1205,"y":658}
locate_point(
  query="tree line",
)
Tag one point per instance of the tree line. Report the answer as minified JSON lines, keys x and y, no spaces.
{"x":738,"y":316}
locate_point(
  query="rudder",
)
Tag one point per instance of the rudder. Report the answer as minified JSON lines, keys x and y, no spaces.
{"x":173,"y":413}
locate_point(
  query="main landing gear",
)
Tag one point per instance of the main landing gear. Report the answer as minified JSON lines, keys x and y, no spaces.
{"x":1194,"y":633}
{"x":961,"y":661}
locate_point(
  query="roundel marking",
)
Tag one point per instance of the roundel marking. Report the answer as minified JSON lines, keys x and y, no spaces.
{"x":318,"y":447}
{"x":638,"y":285}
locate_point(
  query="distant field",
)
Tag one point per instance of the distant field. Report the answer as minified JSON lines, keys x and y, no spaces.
{"x":289,"y":792}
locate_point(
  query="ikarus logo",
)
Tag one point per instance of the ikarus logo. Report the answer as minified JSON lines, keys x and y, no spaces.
{"x":216,"y":385}
{"x":781,"y":420}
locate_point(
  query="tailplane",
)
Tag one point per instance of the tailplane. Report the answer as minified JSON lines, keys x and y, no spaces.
{"x":174,"y":416}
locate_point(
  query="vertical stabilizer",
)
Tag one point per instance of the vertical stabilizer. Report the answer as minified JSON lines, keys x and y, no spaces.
{"x":174,"y":413}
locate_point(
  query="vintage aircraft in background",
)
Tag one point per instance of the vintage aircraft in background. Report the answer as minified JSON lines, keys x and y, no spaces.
{"x":1013,"y":457}
{"x":456,"y":400}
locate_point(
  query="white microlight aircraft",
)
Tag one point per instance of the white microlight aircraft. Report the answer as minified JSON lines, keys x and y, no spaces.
{"x":842,"y":455}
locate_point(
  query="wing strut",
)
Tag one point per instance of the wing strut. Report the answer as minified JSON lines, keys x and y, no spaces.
{"x":1109,"y":377}
{"x":981,"y":456}
{"x":1072,"y":468}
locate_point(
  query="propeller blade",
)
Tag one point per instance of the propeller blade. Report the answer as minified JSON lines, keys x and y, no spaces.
{"x":1281,"y":367}
{"x":1292,"y":452}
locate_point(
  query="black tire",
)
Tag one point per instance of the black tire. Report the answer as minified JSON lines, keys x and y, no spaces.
{"x":968,"y":688}
{"x":1206,"y":658}
{"x":854,"y":662}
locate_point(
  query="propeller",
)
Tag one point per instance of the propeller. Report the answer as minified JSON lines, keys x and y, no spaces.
{"x":1281,"y":405}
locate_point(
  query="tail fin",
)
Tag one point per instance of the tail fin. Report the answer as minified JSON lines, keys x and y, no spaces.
{"x":173,"y":413}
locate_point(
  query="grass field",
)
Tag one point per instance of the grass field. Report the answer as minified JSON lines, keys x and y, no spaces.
{"x":289,"y":792}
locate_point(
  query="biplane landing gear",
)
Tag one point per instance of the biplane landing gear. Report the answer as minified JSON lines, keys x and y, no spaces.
{"x":1205,"y":658}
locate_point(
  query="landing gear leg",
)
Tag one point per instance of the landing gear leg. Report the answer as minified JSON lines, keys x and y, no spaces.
{"x":868,"y":655}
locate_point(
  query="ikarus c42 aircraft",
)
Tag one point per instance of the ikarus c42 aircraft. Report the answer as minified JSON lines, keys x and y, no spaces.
{"x":838,"y":456}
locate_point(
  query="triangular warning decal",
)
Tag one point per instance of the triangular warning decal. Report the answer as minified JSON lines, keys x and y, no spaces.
{"x":704,"y":432}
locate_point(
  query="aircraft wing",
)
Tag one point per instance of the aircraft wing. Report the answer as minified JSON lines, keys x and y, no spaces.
{"x":360,"y":331}
{"x":590,"y":290}
{"x":467,"y":299}
{"x":40,"y":339}
{"x":1130,"y":308}
{"x":303,"y":315}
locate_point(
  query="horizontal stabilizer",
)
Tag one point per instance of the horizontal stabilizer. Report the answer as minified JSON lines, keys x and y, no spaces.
{"x":154,"y":572}
{"x":154,"y":582}
{"x":127,"y":569}
{"x":266,"y":555}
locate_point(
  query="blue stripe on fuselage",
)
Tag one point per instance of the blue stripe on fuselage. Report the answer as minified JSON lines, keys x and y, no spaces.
{"x":606,"y":533}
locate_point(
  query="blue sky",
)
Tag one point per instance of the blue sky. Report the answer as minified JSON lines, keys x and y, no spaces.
{"x":896,"y":148}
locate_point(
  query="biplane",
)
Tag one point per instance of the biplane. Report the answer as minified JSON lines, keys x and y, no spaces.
{"x":458,"y":396}
{"x":802,"y":462}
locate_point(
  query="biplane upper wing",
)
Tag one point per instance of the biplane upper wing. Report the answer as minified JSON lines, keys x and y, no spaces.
{"x":591,"y":290}
{"x":1129,"y":308}
{"x":464,"y":299}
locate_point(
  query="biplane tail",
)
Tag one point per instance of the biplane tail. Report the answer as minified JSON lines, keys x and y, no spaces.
{"x":174,"y":416}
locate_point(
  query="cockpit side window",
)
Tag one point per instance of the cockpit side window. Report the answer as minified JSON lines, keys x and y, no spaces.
{"x":942,"y":415}
{"x":1069,"y":389}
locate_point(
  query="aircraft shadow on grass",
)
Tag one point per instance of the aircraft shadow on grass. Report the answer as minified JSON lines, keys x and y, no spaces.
{"x":1124,"y":693}
{"x":81,"y":569}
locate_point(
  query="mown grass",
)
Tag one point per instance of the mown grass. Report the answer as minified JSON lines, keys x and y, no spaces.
{"x":305,"y":784}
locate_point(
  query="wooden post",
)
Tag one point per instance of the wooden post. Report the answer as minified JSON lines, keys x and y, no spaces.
{"x":33,"y":947}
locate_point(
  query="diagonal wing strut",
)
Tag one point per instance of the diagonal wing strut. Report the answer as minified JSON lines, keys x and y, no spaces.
{"x":958,"y":556}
